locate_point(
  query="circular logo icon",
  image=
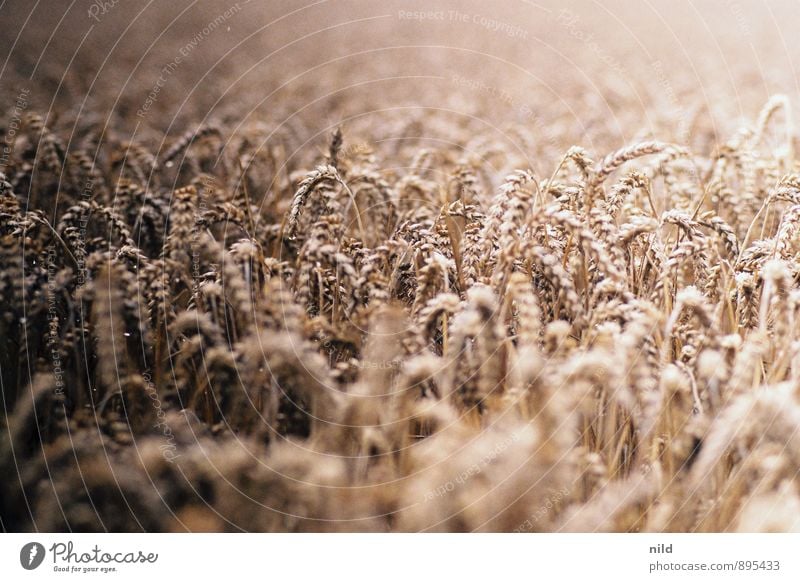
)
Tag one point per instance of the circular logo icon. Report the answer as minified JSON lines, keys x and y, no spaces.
{"x":31,"y":555}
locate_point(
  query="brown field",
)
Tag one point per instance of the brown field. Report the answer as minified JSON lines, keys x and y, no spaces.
{"x":346,"y":266}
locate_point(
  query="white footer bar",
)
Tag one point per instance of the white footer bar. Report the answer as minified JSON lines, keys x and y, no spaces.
{"x":398,"y":557}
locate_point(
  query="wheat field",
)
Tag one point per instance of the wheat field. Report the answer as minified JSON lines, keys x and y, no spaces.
{"x":387,"y":267}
